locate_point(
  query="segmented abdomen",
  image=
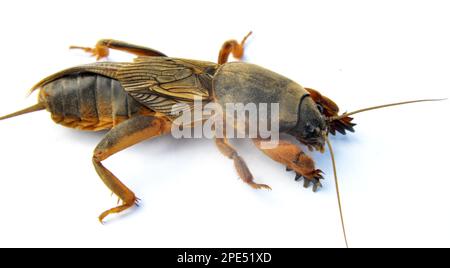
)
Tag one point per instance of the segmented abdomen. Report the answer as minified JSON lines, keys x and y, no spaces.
{"x":89,"y":101}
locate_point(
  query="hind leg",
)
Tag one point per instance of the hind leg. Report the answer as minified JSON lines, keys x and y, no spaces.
{"x":295,"y":159}
{"x":101,"y":49}
{"x":232,"y":46}
{"x":126,"y":134}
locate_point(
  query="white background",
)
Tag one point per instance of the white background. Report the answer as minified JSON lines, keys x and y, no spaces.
{"x":394,"y":175}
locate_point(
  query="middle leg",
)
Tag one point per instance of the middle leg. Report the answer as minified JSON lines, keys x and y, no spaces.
{"x":244,"y":173}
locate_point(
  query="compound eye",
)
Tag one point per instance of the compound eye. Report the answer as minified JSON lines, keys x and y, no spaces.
{"x":320,"y":108}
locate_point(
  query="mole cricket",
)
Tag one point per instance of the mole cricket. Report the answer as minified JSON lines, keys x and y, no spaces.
{"x":134,"y":101}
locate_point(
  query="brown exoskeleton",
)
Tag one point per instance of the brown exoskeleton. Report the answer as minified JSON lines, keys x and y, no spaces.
{"x":134,"y":100}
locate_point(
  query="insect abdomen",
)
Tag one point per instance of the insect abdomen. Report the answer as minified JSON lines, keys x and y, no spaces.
{"x":88,"y":101}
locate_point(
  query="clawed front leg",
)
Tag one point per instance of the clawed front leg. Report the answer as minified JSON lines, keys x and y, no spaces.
{"x":294,"y":159}
{"x":313,"y":177}
{"x":329,"y":108}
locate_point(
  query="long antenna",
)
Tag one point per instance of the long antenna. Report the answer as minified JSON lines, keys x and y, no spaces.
{"x":378,"y":107}
{"x":337,"y":190}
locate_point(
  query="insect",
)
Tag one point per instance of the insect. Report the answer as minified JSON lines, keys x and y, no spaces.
{"x":134,"y":100}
